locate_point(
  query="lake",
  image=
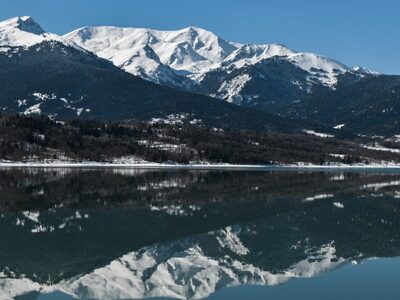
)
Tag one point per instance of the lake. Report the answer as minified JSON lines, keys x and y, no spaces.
{"x":198,"y":234}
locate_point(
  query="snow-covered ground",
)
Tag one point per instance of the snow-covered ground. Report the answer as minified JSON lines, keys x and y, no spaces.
{"x":318,"y":197}
{"x":132,"y":163}
{"x":318,"y":134}
{"x":378,"y":147}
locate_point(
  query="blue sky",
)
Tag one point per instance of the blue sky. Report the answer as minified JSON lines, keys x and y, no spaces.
{"x":364,"y":32}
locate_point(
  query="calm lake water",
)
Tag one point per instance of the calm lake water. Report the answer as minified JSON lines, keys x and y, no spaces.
{"x":134,"y":234}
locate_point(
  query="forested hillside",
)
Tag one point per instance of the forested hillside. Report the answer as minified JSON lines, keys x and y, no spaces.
{"x":33,"y":138}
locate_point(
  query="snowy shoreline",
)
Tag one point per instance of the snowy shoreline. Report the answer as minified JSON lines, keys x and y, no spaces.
{"x":155,"y":166}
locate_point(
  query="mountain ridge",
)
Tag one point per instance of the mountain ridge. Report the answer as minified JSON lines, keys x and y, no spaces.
{"x":269,"y":78}
{"x":43,"y":74}
{"x":25,"y":32}
{"x":195,"y":51}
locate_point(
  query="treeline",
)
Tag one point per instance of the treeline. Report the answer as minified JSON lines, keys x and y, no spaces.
{"x":25,"y":138}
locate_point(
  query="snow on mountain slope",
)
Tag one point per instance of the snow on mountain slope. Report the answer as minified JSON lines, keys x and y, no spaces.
{"x":241,"y":68}
{"x":139,"y":50}
{"x":230,"y":90}
{"x":192,"y":51}
{"x":167,"y":56}
{"x":25,"y":32}
{"x":252,"y":54}
{"x":323,"y":69}
{"x":186,"y":58}
{"x":364,"y":70}
{"x":195,"y":60}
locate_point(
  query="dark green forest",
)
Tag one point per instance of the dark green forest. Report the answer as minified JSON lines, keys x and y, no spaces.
{"x":33,"y":138}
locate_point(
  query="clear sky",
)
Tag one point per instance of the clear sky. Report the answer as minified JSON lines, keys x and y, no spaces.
{"x":362,"y":32}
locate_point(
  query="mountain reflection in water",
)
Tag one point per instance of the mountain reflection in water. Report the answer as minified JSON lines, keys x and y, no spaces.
{"x":129,"y":234}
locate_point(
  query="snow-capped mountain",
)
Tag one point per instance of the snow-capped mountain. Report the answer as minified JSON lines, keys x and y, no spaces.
{"x":60,"y":76}
{"x":165,"y":57}
{"x":187,"y":58}
{"x":312,"y":63}
{"x":364,"y":70}
{"x":190,"y":50}
{"x":25,"y":32}
{"x":42,"y":73}
{"x":272,"y":77}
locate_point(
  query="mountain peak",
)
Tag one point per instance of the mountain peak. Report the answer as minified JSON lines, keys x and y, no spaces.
{"x":187,"y":50}
{"x":25,"y":32}
{"x":28,"y":24}
{"x":21,"y":31}
{"x":364,"y":70}
{"x":196,"y":30}
{"x":24,"y":23}
{"x":193,"y":28}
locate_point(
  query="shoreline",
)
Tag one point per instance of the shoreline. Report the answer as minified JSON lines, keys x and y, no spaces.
{"x":159,"y":166}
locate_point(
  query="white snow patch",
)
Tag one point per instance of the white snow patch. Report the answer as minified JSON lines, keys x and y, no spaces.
{"x":231,"y":90}
{"x":341,"y":156}
{"x":338,"y":205}
{"x":339,"y":126}
{"x":380,"y":185}
{"x":318,"y":197}
{"x":378,"y":147}
{"x":339,"y":177}
{"x":33,"y":216}
{"x":33,"y":110}
{"x":318,"y":134}
{"x":231,"y":240}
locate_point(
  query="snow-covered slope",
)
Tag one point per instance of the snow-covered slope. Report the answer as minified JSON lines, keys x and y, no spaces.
{"x":192,"y":51}
{"x":42,"y":73}
{"x":196,"y":60}
{"x":160,"y":56}
{"x":25,"y":32}
{"x":188,"y":58}
{"x":272,"y":78}
{"x":312,"y":63}
{"x":173,"y":57}
{"x":324,"y":70}
{"x":364,"y":70}
{"x":252,"y":54}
